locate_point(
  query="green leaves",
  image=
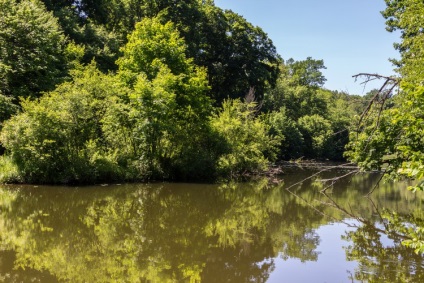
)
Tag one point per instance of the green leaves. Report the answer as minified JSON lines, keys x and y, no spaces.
{"x":31,"y":49}
{"x":169,"y":102}
{"x":153,"y":117}
{"x":390,"y":137}
{"x":153,"y":44}
{"x":59,"y":138}
{"x":307,"y":72}
{"x":246,"y":136}
{"x":316,"y":132}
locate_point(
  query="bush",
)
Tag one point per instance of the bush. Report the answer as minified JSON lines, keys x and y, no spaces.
{"x":9,"y":172}
{"x":281,"y":125}
{"x":59,"y":137}
{"x":316,"y":132}
{"x":246,"y":136}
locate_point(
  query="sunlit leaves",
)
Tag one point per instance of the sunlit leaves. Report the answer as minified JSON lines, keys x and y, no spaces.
{"x":59,"y":137}
{"x":152,"y":44}
{"x":393,"y":138}
{"x":31,"y":49}
{"x":246,"y":136}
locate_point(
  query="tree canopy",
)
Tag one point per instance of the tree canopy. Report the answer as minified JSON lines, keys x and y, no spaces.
{"x":164,"y":89}
{"x":32,"y":49}
{"x":392,"y":136}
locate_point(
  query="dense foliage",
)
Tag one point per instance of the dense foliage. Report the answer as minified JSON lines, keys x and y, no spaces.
{"x":236,"y":54}
{"x":95,"y":91}
{"x":313,"y":121}
{"x":247,"y":138}
{"x":32,"y":49}
{"x":60,"y":137}
{"x":391,"y":137}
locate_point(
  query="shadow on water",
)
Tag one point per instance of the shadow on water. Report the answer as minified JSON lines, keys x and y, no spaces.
{"x":206,"y":233}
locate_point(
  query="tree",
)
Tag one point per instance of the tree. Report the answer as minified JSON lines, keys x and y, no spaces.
{"x":169,"y":103}
{"x":7,"y":108}
{"x":291,"y":146}
{"x":316,"y":131}
{"x":236,"y":54}
{"x":59,"y":137}
{"x":247,"y":139}
{"x":99,"y":42}
{"x":32,"y":49}
{"x":150,"y":46}
{"x":344,"y":111}
{"x":392,"y":135}
{"x":307,"y":72}
{"x":306,"y":114}
{"x":243,"y":58}
{"x":298,"y":90}
{"x":406,"y":16}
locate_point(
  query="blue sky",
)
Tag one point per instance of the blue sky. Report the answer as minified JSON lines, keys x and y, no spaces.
{"x":349,"y":35}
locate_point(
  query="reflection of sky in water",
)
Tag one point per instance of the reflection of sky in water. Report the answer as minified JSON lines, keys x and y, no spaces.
{"x":331,"y":266}
{"x":219,"y":234}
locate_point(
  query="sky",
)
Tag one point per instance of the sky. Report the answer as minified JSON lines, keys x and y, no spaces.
{"x":349,"y":35}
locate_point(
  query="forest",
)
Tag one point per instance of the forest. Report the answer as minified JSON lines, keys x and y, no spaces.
{"x":136,"y":90}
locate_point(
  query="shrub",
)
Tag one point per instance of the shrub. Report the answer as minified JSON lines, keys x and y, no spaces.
{"x":59,"y":138}
{"x":281,"y":125}
{"x":246,"y":136}
{"x":316,"y":131}
{"x":9,"y":172}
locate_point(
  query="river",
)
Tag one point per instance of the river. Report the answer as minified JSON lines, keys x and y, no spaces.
{"x":280,"y":230}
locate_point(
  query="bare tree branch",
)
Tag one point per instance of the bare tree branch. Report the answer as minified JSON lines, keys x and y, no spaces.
{"x":384,"y":93}
{"x":251,"y":98}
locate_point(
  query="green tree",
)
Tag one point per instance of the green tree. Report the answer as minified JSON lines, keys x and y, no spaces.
{"x":32,"y":49}
{"x":287,"y":129}
{"x":247,"y":138}
{"x":297,"y":100}
{"x":99,"y":43}
{"x":307,"y":72}
{"x":406,"y":17}
{"x":236,"y":54}
{"x":245,"y":58}
{"x":392,"y":137}
{"x":7,"y":108}
{"x":316,"y":131}
{"x":343,"y":115}
{"x":58,"y":138}
{"x":169,"y":102}
{"x":149,"y":47}
{"x":299,"y":90}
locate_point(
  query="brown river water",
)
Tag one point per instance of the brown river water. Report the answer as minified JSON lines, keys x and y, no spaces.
{"x":283,"y":230}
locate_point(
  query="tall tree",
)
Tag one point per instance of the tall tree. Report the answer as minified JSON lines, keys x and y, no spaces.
{"x":169,"y":101}
{"x":237,"y":54}
{"x":393,"y":138}
{"x":32,"y":49}
{"x":298,"y":89}
{"x":307,"y":72}
{"x":406,"y":16}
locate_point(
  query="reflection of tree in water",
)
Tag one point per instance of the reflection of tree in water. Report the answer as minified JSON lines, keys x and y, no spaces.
{"x":181,"y":233}
{"x":376,"y":242}
{"x":379,"y":261}
{"x":156,"y":233}
{"x":381,"y":222}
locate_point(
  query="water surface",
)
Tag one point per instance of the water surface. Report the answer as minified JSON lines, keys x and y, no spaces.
{"x":261,"y":231}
